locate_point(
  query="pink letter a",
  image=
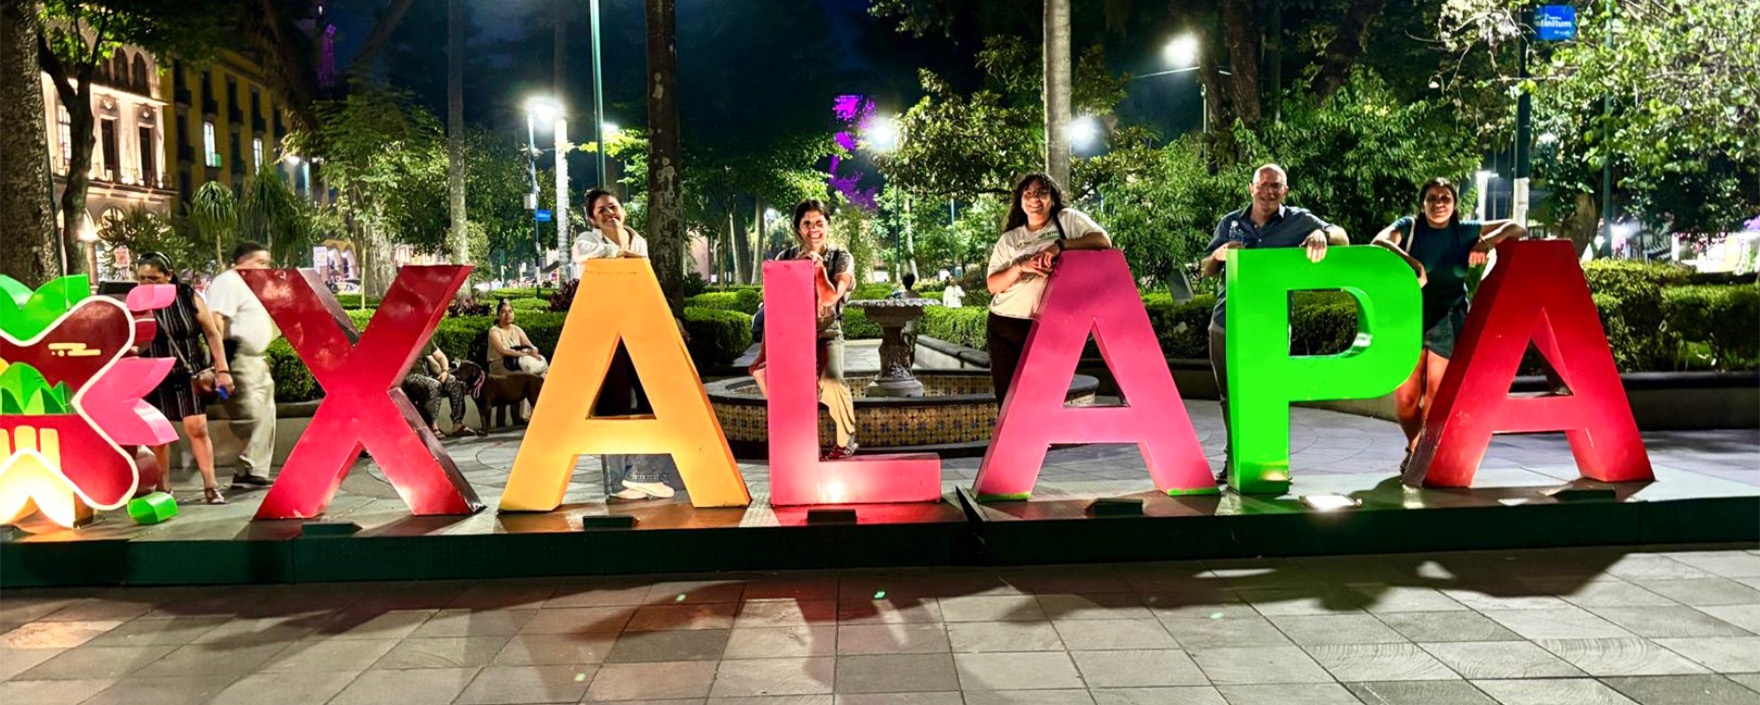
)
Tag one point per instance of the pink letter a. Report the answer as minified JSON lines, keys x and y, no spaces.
{"x":1092,"y":292}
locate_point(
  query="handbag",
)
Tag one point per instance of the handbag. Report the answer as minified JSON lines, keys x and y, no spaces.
{"x":205,"y":383}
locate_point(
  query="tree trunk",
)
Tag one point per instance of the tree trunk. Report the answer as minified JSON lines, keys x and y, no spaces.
{"x":78,"y":101}
{"x":665,"y":202}
{"x":1346,"y":46}
{"x":742,"y":248}
{"x":455,"y":129}
{"x":374,"y":250}
{"x":1583,"y":225}
{"x":1241,"y":34}
{"x":29,"y":250}
{"x":755,"y":242}
{"x":1057,"y":91}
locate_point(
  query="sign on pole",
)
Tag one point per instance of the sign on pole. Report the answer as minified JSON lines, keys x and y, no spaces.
{"x":542,"y":215}
{"x":1555,"y":23}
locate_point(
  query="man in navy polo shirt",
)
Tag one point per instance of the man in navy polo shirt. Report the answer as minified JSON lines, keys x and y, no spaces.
{"x":1267,"y":222}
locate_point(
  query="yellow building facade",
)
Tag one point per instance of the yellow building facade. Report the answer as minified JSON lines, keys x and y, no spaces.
{"x":224,"y":125}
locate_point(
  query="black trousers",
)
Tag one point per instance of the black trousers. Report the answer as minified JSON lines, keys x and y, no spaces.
{"x":1005,"y":340}
{"x":1219,"y":365}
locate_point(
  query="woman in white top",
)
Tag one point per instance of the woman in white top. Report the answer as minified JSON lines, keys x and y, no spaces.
{"x":628,"y":477}
{"x":1039,"y":227}
{"x":609,"y":237}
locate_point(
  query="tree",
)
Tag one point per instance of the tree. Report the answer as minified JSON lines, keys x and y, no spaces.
{"x":1681,"y":119}
{"x":955,"y":145}
{"x":212,"y":214}
{"x":1056,"y":93}
{"x":272,"y":214}
{"x":78,"y":37}
{"x":29,"y":245}
{"x":387,"y":157}
{"x":665,"y":205}
{"x":455,"y":161}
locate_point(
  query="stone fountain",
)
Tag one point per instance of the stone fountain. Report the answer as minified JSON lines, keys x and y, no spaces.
{"x":950,"y":412}
{"x":898,"y":344}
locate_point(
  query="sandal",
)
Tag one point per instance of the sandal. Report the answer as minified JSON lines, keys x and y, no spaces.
{"x":211,"y":495}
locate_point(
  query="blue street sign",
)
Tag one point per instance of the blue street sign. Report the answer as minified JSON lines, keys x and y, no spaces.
{"x":542,"y":215}
{"x":1556,"y":23}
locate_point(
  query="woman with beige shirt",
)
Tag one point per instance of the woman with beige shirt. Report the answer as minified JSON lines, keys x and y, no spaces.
{"x":1039,"y":227}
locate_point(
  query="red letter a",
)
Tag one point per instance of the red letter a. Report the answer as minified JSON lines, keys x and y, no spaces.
{"x":1536,"y":293}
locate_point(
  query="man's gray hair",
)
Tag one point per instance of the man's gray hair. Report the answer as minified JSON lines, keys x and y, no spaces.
{"x":1271,"y":167}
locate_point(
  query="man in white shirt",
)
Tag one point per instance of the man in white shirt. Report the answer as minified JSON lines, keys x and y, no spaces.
{"x":248,"y":330}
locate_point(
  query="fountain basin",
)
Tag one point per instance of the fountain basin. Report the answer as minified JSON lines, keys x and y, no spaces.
{"x":955,"y":417}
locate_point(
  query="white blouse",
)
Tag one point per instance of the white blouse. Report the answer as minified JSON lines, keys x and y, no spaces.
{"x":592,"y":244}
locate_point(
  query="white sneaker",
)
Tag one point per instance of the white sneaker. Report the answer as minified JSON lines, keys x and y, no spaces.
{"x":657,"y":490}
{"x":630,"y":494}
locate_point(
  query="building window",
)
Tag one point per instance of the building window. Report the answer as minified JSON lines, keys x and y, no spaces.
{"x":64,"y":122}
{"x":209,"y":145}
{"x":257,"y":151}
{"x":139,"y":75}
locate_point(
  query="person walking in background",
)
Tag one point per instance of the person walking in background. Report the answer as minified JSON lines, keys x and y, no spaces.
{"x":1265,"y":222}
{"x":247,"y":329}
{"x":188,"y":335}
{"x":953,"y":296}
{"x":1039,"y":227}
{"x":1440,"y":247}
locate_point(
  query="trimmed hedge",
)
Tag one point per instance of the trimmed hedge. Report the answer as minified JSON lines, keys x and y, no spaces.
{"x":962,"y":326}
{"x":1722,"y":318}
{"x":743,"y":300}
{"x":717,"y":337}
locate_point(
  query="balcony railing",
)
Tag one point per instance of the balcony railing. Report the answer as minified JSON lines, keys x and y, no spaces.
{"x":183,"y":97}
{"x":210,"y":106}
{"x":235,"y":115}
{"x":257,"y":124}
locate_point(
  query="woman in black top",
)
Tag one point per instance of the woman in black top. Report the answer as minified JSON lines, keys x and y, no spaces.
{"x":183,"y":328}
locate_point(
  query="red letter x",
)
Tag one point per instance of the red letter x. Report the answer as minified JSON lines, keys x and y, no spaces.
{"x":363,"y":404}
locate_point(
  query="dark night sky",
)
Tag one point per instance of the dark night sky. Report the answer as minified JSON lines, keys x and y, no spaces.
{"x":750,"y":70}
{"x":746,"y":55}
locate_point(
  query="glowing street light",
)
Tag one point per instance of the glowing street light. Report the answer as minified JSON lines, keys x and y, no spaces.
{"x":881,"y":134}
{"x":610,"y":131}
{"x":1181,"y":52}
{"x":543,"y":109}
{"x":1084,"y":133}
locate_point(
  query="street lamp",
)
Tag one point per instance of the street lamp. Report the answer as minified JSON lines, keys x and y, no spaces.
{"x":1084,"y":133}
{"x":881,"y":134}
{"x":1182,"y":52}
{"x":546,"y":109}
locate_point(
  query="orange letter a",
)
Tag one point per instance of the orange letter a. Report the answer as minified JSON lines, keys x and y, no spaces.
{"x":620,"y":300}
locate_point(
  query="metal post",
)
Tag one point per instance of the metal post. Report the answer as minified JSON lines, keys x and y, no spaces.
{"x":564,"y":262}
{"x":1524,"y":138}
{"x":532,"y":171}
{"x":1606,"y":247}
{"x":598,"y":99}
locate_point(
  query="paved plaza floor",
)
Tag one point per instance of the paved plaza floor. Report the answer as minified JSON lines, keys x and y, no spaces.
{"x":1564,"y":627}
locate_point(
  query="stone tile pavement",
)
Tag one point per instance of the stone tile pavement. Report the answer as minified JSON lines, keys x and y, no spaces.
{"x":1568,"y":627}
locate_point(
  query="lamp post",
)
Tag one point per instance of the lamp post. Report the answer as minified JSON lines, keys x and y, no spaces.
{"x":881,"y":135}
{"x":601,"y":130}
{"x":1481,"y":181}
{"x":1182,"y":54}
{"x":540,"y":110}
